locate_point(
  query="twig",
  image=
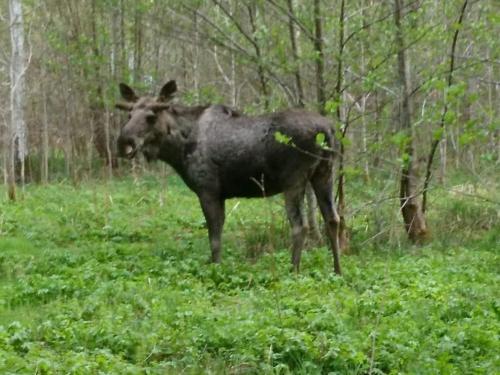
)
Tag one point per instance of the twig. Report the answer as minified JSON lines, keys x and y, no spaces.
{"x":436,"y":141}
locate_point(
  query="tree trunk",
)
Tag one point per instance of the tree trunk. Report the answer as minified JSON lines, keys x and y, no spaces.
{"x":100,"y":120}
{"x":411,"y":209}
{"x":234,"y":89}
{"x":123,"y":49}
{"x":343,"y":232}
{"x":45,"y":139}
{"x":258,"y":53}
{"x":320,"y":58}
{"x":137,"y":45}
{"x":107,"y":138}
{"x":115,"y":17}
{"x":295,"y":55}
{"x":18,"y":66}
{"x":443,"y":153}
{"x":196,"y":55}
{"x":364,"y":141}
{"x":311,"y":217}
{"x":5,"y":150}
{"x":320,"y":79}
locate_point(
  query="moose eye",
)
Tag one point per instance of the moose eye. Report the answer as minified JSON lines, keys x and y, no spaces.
{"x":151,"y":118}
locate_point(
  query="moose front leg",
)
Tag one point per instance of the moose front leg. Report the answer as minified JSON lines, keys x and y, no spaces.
{"x":213,"y":209}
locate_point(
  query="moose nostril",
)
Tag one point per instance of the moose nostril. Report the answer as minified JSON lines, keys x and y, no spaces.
{"x":128,"y":150}
{"x":126,"y":146}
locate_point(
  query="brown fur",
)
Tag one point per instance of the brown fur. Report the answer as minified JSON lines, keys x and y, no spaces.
{"x":220,"y":153}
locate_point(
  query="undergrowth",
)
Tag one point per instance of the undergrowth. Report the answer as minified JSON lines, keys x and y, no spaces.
{"x":112,"y":278}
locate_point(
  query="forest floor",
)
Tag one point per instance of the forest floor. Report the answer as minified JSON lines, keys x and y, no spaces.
{"x":111,"y":277}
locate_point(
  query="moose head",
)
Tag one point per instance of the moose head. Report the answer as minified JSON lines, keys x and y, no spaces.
{"x":148,"y":121}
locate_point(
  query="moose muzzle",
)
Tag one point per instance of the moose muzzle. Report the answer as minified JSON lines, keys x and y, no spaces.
{"x":127,"y":147}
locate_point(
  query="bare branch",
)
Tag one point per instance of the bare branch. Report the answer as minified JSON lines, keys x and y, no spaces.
{"x":301,"y":26}
{"x":436,"y":141}
{"x":237,"y":24}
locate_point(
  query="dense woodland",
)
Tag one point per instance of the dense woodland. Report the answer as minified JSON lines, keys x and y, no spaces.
{"x":412,"y":86}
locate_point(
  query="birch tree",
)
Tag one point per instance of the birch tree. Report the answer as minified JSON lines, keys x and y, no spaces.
{"x":411,"y":208}
{"x":18,"y":66}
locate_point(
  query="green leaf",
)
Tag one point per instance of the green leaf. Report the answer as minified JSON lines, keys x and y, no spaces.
{"x":320,"y":139}
{"x":345,"y":141}
{"x":473,"y":97}
{"x":467,"y":138}
{"x":331,"y":106}
{"x":440,"y":84}
{"x":438,"y":134}
{"x":400,"y":138}
{"x":282,"y":138}
{"x":455,"y":91}
{"x":450,"y":117}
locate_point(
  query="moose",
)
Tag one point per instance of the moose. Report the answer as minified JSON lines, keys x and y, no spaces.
{"x":220,"y":153}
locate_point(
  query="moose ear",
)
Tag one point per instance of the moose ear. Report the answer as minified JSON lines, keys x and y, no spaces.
{"x":127,"y":93}
{"x":167,"y":91}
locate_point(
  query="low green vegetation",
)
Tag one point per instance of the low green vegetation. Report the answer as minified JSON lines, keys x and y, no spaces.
{"x":112,"y":278}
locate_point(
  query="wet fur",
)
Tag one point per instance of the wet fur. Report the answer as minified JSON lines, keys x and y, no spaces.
{"x":221,"y":153}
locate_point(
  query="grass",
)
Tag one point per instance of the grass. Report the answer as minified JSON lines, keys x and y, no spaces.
{"x":112,"y":278}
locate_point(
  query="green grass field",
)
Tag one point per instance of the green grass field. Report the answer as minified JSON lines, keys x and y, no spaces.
{"x":111,"y":278}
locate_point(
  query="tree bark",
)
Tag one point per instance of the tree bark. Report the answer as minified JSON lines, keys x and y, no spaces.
{"x":258,"y":54}
{"x":18,"y":66}
{"x":343,"y":232}
{"x":295,"y":55}
{"x":320,"y":58}
{"x":99,"y":115}
{"x":411,"y":208}
{"x":311,"y":217}
{"x":123,"y":49}
{"x":115,"y":17}
{"x":45,"y":138}
{"x":364,"y":141}
{"x":196,"y":56}
{"x":137,"y":45}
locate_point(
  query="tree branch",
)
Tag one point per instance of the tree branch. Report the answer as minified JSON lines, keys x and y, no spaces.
{"x":436,"y":141}
{"x":292,"y":16}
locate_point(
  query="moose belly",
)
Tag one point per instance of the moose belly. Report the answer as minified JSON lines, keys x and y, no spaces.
{"x":249,"y":185}
{"x":258,"y":183}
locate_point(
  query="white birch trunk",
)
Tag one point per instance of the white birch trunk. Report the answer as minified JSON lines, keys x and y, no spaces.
{"x":18,"y":65}
{"x":196,"y":53}
{"x":45,"y":139}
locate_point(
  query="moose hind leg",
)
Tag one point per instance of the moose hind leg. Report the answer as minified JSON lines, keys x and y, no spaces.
{"x":213,"y":209}
{"x":294,"y":200}
{"x":322,"y":182}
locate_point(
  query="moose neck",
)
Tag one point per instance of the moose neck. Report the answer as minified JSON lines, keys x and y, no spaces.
{"x":172,"y":149}
{"x":180,"y":137}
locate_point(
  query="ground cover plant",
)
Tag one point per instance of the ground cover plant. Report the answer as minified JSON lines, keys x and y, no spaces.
{"x":112,"y":278}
